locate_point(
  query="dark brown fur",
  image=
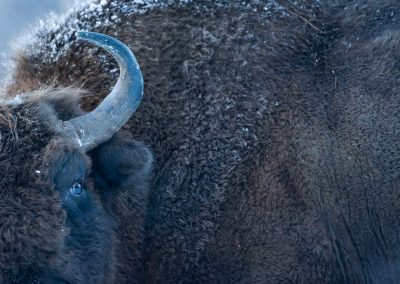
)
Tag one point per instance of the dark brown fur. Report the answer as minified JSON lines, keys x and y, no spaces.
{"x":275,"y":137}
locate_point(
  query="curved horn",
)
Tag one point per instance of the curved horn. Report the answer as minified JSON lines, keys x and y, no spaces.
{"x":99,"y":125}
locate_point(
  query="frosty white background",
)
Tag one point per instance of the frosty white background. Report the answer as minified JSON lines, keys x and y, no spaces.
{"x":17,"y":16}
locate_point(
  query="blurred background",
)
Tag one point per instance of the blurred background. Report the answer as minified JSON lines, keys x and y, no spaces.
{"x":16,"y":16}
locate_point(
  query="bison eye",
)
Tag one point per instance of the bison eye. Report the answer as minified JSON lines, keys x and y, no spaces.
{"x":76,"y":189}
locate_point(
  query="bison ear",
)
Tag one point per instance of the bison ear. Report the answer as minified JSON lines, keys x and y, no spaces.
{"x":122,"y":162}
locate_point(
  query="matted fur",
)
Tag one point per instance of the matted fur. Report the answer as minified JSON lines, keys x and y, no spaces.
{"x":274,"y":127}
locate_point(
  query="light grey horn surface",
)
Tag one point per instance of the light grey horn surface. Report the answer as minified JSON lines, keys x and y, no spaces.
{"x":99,"y":125}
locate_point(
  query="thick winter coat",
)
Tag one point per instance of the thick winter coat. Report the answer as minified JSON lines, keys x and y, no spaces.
{"x":273,"y":126}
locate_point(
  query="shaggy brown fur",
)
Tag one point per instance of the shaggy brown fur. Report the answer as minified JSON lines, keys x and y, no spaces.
{"x":48,"y":235}
{"x":274,"y":127}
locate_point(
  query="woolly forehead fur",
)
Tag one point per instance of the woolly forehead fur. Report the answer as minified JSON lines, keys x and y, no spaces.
{"x":47,"y":104}
{"x":48,"y":94}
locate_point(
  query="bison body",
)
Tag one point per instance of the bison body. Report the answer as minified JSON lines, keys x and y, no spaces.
{"x":273,"y":127}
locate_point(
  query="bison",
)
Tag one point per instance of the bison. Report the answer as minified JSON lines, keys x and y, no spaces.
{"x":273,"y":127}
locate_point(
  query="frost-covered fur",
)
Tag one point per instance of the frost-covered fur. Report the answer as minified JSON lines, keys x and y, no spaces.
{"x":274,"y":129}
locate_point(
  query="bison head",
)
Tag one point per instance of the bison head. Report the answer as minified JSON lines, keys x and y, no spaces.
{"x":64,"y":177}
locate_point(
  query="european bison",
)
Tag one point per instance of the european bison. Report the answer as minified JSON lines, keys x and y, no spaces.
{"x":273,"y":126}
